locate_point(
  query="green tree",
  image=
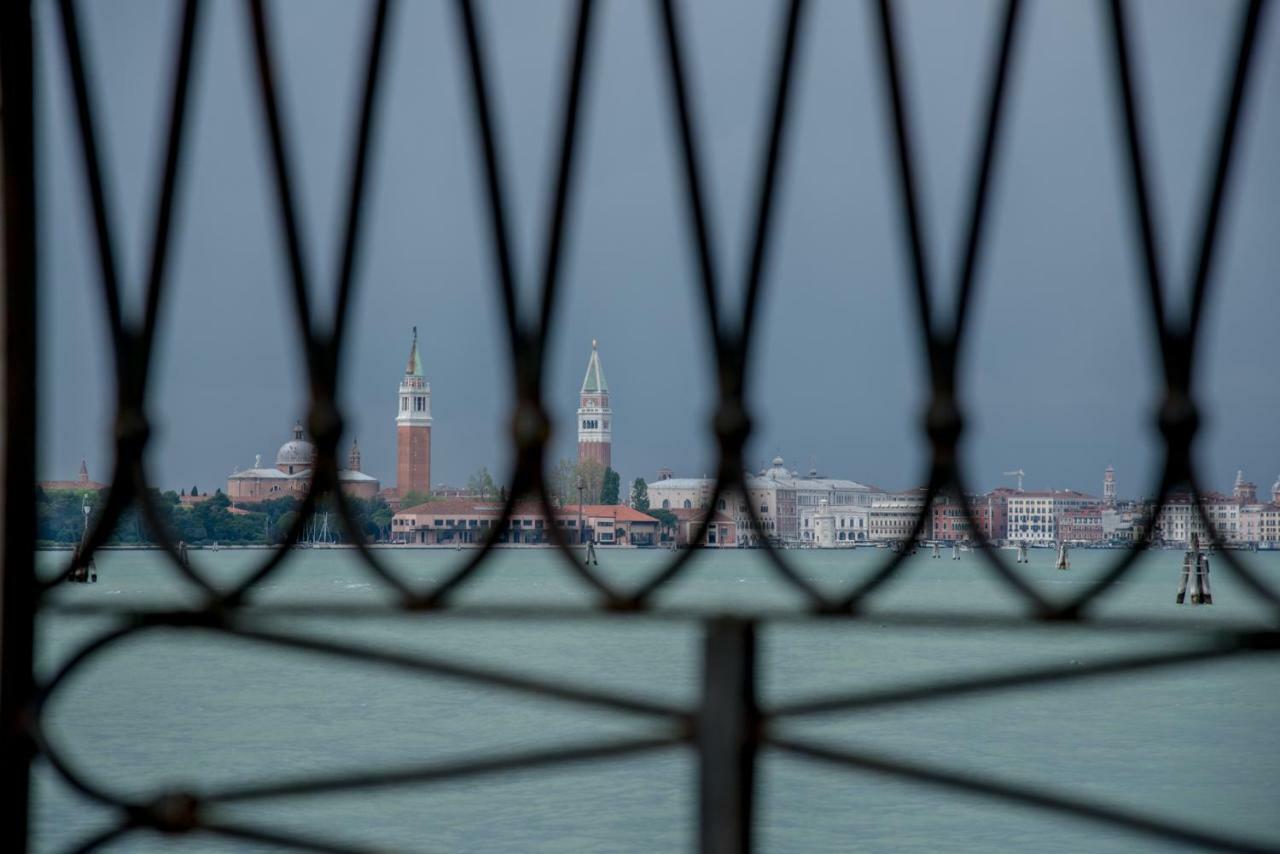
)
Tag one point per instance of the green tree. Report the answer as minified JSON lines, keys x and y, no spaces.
{"x":666,"y":518}
{"x":284,"y":522}
{"x":560,"y":482}
{"x":592,"y":474}
{"x":481,"y":483}
{"x":194,"y":490}
{"x":640,"y":494}
{"x":610,"y":487}
{"x":382,"y":518}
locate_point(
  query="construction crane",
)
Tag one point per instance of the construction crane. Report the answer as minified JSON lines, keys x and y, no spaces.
{"x":1019,"y":473}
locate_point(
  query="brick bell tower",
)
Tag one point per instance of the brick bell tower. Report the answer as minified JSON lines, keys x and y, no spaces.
{"x":413,"y":427}
{"x":595,"y":436}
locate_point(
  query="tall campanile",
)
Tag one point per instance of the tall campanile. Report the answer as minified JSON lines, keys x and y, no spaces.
{"x":595,"y":436}
{"x":413,"y":427}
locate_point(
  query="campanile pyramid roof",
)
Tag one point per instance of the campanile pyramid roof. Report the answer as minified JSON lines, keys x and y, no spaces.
{"x":593,"y":382}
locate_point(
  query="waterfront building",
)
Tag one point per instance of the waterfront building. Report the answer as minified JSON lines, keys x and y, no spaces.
{"x":1223,"y":513}
{"x":1179,"y":519}
{"x":595,"y":432}
{"x":682,"y":493}
{"x":1238,"y":519}
{"x":1244,"y":491}
{"x":828,"y":526}
{"x":772,"y":494}
{"x":892,"y":516}
{"x":720,"y":533}
{"x":948,"y":519}
{"x":612,"y":524}
{"x":993,"y":513}
{"x":989,"y":513}
{"x":1033,"y":516}
{"x":831,"y":506}
{"x":1260,"y":523}
{"x":813,"y":489}
{"x":463,"y":520}
{"x":1109,"y":486}
{"x":291,"y":475}
{"x":1117,"y":525}
{"x":413,"y":427}
{"x":1082,"y":525}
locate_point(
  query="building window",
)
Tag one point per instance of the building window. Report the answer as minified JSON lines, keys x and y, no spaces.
{"x":688,"y":505}
{"x":666,"y":504}
{"x":404,"y":404}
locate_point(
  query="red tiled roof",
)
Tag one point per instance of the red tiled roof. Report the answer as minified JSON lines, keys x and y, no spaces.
{"x":617,"y":512}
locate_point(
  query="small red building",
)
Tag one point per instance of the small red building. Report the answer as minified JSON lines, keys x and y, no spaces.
{"x":1080,"y":526}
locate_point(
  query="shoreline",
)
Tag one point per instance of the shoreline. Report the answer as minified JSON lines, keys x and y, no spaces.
{"x":133,"y":547}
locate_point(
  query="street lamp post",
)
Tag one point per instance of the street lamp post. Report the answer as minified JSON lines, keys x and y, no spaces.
{"x":581,"y":483}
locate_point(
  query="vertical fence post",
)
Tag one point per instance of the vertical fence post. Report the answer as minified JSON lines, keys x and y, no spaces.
{"x":727,"y":736}
{"x":17,"y":328}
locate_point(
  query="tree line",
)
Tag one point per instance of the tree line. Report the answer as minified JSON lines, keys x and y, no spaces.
{"x":61,"y":518}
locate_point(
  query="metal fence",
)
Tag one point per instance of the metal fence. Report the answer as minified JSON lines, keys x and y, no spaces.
{"x":728,"y":728}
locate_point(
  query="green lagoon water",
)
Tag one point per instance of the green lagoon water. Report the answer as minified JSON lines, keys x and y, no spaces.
{"x":1199,"y":743}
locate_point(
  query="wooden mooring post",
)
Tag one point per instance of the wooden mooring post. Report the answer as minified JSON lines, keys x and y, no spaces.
{"x":1193,"y":586}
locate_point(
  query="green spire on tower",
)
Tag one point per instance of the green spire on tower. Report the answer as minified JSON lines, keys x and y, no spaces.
{"x":593,"y":382}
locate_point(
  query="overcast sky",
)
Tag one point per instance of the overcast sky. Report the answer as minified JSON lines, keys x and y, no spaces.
{"x":1060,"y":373}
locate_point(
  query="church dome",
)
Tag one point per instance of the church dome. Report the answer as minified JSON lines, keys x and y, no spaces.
{"x":777,"y":471}
{"x":295,"y":453}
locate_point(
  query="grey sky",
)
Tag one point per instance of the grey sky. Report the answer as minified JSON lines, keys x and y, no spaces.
{"x":1060,"y":373}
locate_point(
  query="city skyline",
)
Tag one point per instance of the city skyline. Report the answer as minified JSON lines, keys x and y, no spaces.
{"x":1059,"y":374}
{"x":413,"y":425}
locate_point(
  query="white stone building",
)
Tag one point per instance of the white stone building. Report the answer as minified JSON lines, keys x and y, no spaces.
{"x":1178,"y":520}
{"x":891,"y":516}
{"x":842,"y":526}
{"x":1224,"y":516}
{"x":1033,"y":516}
{"x":674,"y":493}
{"x":1260,"y":523}
{"x":781,"y":499}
